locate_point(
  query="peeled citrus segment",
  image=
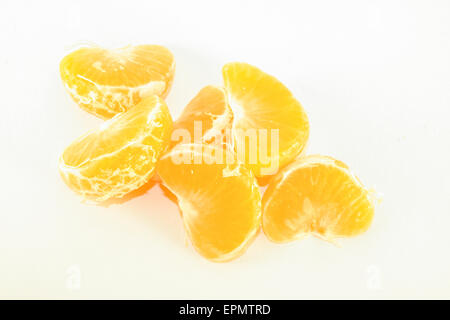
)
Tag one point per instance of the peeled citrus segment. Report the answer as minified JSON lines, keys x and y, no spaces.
{"x":219,"y":200}
{"x":106,"y":82}
{"x":206,"y":119}
{"x":316,"y":195}
{"x":121,"y":155}
{"x":262,"y":105}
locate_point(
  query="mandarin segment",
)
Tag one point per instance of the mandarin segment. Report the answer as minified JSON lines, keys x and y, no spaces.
{"x":218,"y":197}
{"x":316,"y":195}
{"x":106,"y":82}
{"x":211,"y":157}
{"x":121,"y":155}
{"x":206,"y":119}
{"x":269,"y":123}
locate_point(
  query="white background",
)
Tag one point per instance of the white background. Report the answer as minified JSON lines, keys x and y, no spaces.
{"x":374,"y":78}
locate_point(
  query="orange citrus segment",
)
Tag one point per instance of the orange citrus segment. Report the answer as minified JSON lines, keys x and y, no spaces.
{"x":315,"y":195}
{"x":262,"y":105}
{"x":121,"y":155}
{"x":205,"y":119}
{"x":219,"y":200}
{"x":106,"y":82}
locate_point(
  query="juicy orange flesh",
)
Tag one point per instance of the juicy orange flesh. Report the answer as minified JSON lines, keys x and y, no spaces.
{"x":261,"y":102}
{"x":220,"y":203}
{"x":208,"y":111}
{"x":106,"y":82}
{"x":121,"y":155}
{"x":315,"y":195}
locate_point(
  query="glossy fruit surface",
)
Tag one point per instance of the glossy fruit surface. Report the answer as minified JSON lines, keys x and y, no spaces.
{"x":121,"y":155}
{"x":105,"y":82}
{"x":316,"y":195}
{"x":220,"y":201}
{"x":206,"y":119}
{"x":269,"y":123}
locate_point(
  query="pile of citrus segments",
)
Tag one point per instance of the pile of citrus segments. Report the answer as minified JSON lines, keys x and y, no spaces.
{"x":229,"y":141}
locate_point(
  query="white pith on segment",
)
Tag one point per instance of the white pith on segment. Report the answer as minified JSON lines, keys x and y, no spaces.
{"x":252,"y":111}
{"x":216,"y":120}
{"x":116,"y":182}
{"x":318,"y":219}
{"x":220,"y":123}
{"x":191,"y":206}
{"x":114,"y":99}
{"x":105,"y":99}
